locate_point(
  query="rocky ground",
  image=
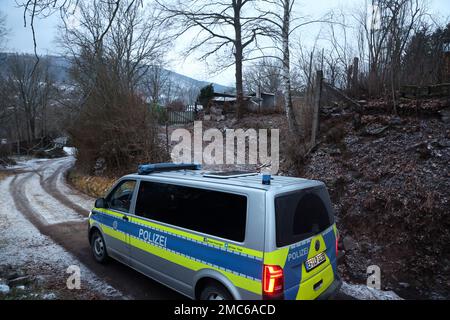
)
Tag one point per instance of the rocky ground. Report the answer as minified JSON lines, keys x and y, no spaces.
{"x":38,"y":282}
{"x":391,"y":191}
{"x":389,"y":180}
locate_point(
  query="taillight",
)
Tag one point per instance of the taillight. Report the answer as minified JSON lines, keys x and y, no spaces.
{"x":273,"y":280}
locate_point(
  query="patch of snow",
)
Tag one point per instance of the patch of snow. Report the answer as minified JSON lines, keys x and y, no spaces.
{"x":51,"y":210}
{"x":26,"y":163}
{"x":22,"y":244}
{"x":70,"y":151}
{"x":77,"y":197}
{"x":49,"y":296}
{"x":363,"y":292}
{"x":4,"y":288}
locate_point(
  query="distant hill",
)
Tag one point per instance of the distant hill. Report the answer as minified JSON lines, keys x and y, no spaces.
{"x":60,"y":65}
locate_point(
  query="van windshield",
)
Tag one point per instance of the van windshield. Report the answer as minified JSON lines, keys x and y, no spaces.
{"x":302,"y":214}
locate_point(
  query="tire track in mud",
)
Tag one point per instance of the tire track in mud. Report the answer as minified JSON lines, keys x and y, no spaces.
{"x":21,"y":201}
{"x":51,"y":213}
{"x":50,"y":186}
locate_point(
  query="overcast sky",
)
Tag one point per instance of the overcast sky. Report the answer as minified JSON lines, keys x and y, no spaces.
{"x":20,"y":38}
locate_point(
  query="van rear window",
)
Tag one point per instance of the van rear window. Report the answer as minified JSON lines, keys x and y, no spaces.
{"x":302,"y":214}
{"x":211,"y":212}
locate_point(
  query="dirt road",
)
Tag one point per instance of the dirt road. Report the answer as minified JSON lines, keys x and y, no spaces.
{"x":40,"y":194}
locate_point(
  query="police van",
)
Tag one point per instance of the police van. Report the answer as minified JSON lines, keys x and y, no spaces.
{"x":220,"y":235}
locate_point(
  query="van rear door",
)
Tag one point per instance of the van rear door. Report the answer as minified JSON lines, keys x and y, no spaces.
{"x":306,"y":236}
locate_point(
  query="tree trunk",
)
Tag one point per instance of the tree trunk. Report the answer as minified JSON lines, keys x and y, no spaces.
{"x":286,"y":71}
{"x":355,"y":71}
{"x":317,"y":97}
{"x":238,"y":58}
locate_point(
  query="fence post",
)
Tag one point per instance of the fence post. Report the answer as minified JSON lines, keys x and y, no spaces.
{"x":316,"y":113}
{"x":167,"y":138}
{"x":355,"y":76}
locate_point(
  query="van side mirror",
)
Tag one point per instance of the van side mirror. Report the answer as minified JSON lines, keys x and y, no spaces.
{"x":100,"y":203}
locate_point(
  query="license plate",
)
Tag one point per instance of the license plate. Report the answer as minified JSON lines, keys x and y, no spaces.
{"x":315,"y":261}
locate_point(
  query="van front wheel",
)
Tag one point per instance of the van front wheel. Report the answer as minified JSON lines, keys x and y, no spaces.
{"x":98,"y":247}
{"x":215,"y":292}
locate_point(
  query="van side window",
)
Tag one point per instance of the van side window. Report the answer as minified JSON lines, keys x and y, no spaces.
{"x":120,"y":198}
{"x":215,"y":213}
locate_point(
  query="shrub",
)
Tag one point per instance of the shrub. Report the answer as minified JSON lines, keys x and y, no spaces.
{"x":118,"y":128}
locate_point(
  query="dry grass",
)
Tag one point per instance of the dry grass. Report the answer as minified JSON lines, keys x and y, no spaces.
{"x":93,"y":186}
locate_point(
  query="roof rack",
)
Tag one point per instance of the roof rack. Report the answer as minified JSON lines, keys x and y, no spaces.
{"x":162,"y":167}
{"x":228,"y":174}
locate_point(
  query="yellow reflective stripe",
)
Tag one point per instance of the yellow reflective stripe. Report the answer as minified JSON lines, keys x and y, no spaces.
{"x":168,"y":229}
{"x":250,"y":252}
{"x":242,"y":282}
{"x":277,"y":257}
{"x":113,"y":213}
{"x":188,"y":235}
{"x":113,"y":233}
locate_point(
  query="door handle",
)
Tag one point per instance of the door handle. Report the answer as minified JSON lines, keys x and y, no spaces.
{"x":125,"y":218}
{"x":318,"y":285}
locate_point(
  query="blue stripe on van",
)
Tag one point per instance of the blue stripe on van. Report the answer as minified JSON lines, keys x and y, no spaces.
{"x":245,"y":265}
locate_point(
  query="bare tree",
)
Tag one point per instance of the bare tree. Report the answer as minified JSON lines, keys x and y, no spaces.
{"x":280,"y":23}
{"x":30,"y":94}
{"x":385,"y":30}
{"x":339,"y":52}
{"x":4,"y":95}
{"x":264,"y":75}
{"x":35,"y":9}
{"x":134,"y":41}
{"x":222,"y":26}
{"x":3,"y":30}
{"x":110,"y":72}
{"x":423,"y":59}
{"x":285,"y":33}
{"x":155,"y":81}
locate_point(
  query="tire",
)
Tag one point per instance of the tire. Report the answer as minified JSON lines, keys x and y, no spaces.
{"x":215,"y":292}
{"x":98,"y":247}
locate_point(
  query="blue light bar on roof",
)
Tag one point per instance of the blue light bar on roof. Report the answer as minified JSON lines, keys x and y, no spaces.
{"x":161,"y":167}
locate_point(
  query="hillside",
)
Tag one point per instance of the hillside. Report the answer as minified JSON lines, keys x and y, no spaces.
{"x":389,"y":182}
{"x":60,"y":66}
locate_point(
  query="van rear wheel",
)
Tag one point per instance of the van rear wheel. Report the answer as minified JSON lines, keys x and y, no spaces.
{"x":98,"y":247}
{"x":215,"y":292}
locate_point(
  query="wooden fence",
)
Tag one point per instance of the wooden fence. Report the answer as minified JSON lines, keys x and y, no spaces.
{"x":438,"y":90}
{"x":180,"y":117}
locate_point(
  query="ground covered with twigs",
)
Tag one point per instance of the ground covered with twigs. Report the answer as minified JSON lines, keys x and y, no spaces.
{"x":389,"y":180}
{"x":390,"y":183}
